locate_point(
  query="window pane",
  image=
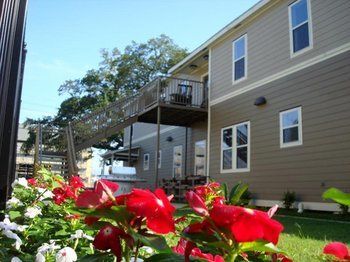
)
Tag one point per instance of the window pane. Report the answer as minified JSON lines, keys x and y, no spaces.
{"x":242,"y":159}
{"x":290,"y":135}
{"x":227,"y":138}
{"x":227,"y":159}
{"x":299,"y":13}
{"x":290,"y":118}
{"x":239,"y":68}
{"x":242,"y":135}
{"x":239,"y":48}
{"x":301,"y":37}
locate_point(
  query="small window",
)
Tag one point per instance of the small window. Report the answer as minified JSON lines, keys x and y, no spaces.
{"x":200,"y":158}
{"x":146,"y":162}
{"x":177,"y":161}
{"x":239,"y":50}
{"x":159,"y":159}
{"x":235,"y":148}
{"x":291,"y":128}
{"x":300,"y":26}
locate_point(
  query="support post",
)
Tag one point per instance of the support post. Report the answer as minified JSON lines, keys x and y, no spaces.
{"x":186,"y":142}
{"x":37,"y":148}
{"x":71,"y":155}
{"x":158,"y":146}
{"x":130,"y":143}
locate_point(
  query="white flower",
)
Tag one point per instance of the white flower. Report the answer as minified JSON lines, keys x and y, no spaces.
{"x":14,"y":236}
{"x":39,"y":257}
{"x":44,"y":248}
{"x":80,"y":234}
{"x":45,"y":193}
{"x":66,"y":254}
{"x":8,"y":225}
{"x":13,"y":201}
{"x":32,"y":212}
{"x":147,"y":249}
{"x":16,"y":259}
{"x":20,"y":181}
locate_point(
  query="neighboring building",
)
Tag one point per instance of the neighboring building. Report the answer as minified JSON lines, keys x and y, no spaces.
{"x":278,"y":85}
{"x":24,"y":162}
{"x":12,"y":58}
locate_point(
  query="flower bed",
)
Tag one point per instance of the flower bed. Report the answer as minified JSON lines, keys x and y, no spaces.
{"x":49,"y":219}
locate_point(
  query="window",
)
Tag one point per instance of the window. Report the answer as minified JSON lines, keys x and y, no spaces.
{"x":300,"y":26}
{"x":199,"y":158}
{"x":146,"y":162}
{"x":239,"y":50}
{"x":235,"y":148}
{"x":291,"y":128}
{"x":159,"y":159}
{"x":177,"y":161}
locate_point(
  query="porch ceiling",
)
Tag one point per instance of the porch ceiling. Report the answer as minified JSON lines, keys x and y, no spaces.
{"x":174,"y":115}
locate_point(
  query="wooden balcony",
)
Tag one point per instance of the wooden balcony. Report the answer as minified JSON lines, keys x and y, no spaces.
{"x":181,"y":103}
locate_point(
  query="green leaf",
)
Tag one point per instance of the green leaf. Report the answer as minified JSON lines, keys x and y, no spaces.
{"x":154,"y":241}
{"x":99,"y":257}
{"x":225,"y":191}
{"x":200,"y":237}
{"x":184,"y":211}
{"x":337,"y":196}
{"x":14,"y":214}
{"x":237,"y":192}
{"x":165,"y":258}
{"x":259,"y":246}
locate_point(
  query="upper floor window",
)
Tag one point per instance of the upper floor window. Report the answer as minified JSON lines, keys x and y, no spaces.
{"x":146,"y":162}
{"x":300,"y":26}
{"x":239,"y":50}
{"x":235,"y":148}
{"x":291,"y":127}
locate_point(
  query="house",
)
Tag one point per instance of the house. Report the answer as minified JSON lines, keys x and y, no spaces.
{"x":265,"y":101}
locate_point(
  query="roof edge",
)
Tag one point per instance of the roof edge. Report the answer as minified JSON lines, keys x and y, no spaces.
{"x":219,"y":34}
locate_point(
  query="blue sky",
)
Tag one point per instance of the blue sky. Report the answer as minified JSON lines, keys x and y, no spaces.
{"x":64,"y":37}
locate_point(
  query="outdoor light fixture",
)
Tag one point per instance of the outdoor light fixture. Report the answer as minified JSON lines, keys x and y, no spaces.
{"x":260,"y":101}
{"x":206,"y":57}
{"x":193,"y":66}
{"x":169,"y":139}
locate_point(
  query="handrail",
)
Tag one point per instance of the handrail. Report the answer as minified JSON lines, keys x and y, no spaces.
{"x":167,"y":90}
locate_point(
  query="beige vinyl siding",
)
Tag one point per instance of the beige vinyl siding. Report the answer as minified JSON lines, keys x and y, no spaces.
{"x":323,"y":161}
{"x":269,"y":43}
{"x":195,"y":133}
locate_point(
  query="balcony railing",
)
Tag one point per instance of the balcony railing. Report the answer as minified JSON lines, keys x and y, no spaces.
{"x":161,"y":91}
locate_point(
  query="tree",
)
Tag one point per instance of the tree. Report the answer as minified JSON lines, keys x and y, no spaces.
{"x":120,"y":74}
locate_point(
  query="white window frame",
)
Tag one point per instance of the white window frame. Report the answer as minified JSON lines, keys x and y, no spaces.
{"x":205,"y":156}
{"x":309,"y":21}
{"x":245,"y":36}
{"x":234,"y":147}
{"x":299,"y":125}
{"x":146,"y":163}
{"x":174,"y":159}
{"x":160,"y":159}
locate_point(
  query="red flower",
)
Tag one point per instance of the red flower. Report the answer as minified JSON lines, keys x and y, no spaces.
{"x":197,"y":203}
{"x":59,"y":195}
{"x":188,"y":249}
{"x":207,"y":190}
{"x":337,"y":249}
{"x":109,"y":238}
{"x":76,"y":182}
{"x":32,"y":182}
{"x":155,"y":207}
{"x":101,"y":195}
{"x":72,"y":217}
{"x":90,"y":220}
{"x":246,"y":225}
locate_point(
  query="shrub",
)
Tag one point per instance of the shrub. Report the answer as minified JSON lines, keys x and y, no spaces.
{"x":343,"y":209}
{"x":289,"y":198}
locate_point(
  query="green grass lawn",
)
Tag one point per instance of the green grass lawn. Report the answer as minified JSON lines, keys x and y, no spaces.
{"x":304,"y":239}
